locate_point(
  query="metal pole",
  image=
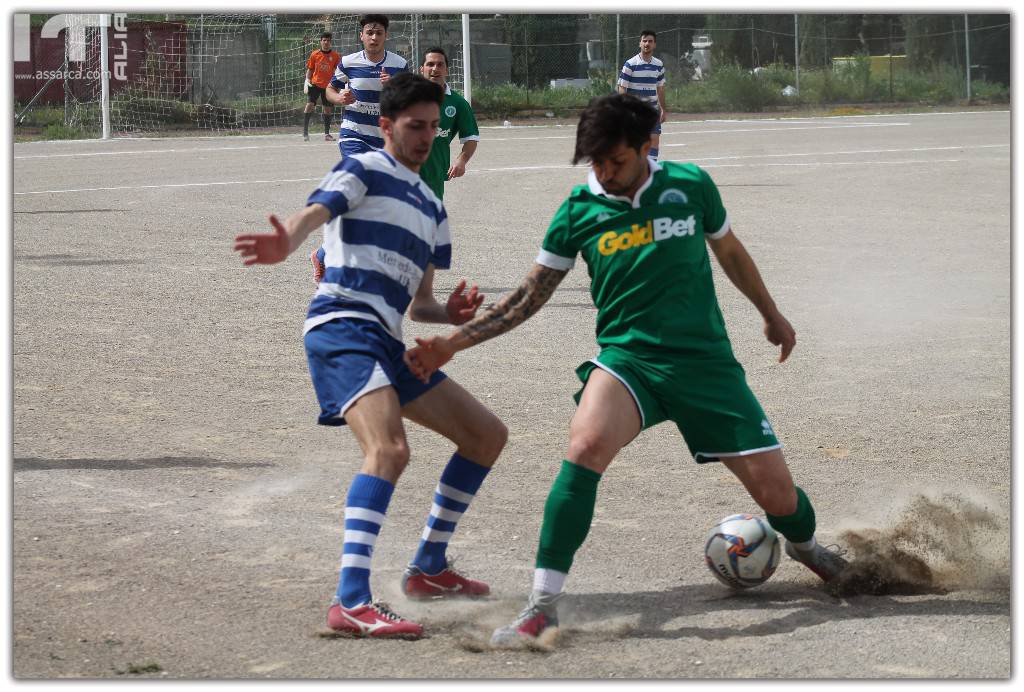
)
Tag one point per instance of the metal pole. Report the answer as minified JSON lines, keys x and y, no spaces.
{"x":618,"y":45}
{"x":526,"y":53}
{"x":796,"y":49}
{"x":753,"y":62}
{"x":201,"y":58}
{"x":104,"y":77}
{"x":467,"y":89}
{"x":967,"y":57}
{"x":416,"y":39}
{"x":67,"y":82}
{"x":891,"y":97}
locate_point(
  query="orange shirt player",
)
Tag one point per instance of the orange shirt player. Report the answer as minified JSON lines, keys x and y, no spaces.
{"x":319,"y":70}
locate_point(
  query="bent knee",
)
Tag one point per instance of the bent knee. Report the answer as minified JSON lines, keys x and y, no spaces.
{"x":388,"y":459}
{"x":592,"y":450}
{"x":485,"y":442}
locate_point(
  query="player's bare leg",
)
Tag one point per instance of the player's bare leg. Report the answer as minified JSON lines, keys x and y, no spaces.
{"x":451,"y":411}
{"x":606,"y":420}
{"x":479,"y":437}
{"x":766,"y":477}
{"x":376,"y":421}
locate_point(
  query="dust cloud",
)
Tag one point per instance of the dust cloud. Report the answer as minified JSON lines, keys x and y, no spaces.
{"x":936,"y":545}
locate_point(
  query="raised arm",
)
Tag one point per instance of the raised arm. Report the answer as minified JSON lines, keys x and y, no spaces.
{"x":271,"y":248}
{"x":509,"y":312}
{"x":740,"y":268}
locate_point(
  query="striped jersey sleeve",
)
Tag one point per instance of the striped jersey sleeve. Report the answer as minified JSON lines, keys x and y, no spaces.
{"x":343,"y":188}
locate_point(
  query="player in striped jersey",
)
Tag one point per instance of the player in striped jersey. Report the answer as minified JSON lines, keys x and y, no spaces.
{"x":357,"y":84}
{"x":643,"y":76}
{"x":385,"y":232}
{"x":457,"y":119}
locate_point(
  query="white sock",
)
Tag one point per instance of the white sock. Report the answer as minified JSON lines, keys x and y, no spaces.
{"x":548,"y":580}
{"x":806,"y":546}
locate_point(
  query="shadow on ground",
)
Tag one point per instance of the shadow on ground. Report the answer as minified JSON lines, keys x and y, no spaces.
{"x":658,"y":609}
{"x":36,"y":464}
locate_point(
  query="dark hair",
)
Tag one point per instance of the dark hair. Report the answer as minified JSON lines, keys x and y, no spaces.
{"x":327,"y":34}
{"x":428,"y":51}
{"x":373,"y":19}
{"x":648,"y":32}
{"x":406,"y":89}
{"x":607,"y":121}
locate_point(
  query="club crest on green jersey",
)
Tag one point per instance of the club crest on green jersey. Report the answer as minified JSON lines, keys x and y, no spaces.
{"x":673,"y":196}
{"x":449,"y":111}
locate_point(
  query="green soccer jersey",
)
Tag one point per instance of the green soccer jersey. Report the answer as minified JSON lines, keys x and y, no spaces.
{"x":647,"y":260}
{"x":457,"y":119}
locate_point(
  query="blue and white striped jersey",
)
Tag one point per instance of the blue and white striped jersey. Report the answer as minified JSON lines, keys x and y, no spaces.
{"x":362,"y":118}
{"x":386,"y":226}
{"x":642,"y":79}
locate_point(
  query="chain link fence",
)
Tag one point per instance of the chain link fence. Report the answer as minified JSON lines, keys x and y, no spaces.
{"x":244,"y":72}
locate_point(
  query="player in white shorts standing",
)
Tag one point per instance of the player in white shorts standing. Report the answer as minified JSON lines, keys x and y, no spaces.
{"x":385,"y":233}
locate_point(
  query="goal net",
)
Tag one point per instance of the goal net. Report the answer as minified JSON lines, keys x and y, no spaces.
{"x":228,"y":73}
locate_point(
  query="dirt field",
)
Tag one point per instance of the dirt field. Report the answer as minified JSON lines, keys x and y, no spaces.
{"x":177,"y":513}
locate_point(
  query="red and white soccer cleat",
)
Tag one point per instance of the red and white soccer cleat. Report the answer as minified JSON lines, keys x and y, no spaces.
{"x":536,"y":623}
{"x":445,"y":584}
{"x":318,"y":267}
{"x":374,"y":619}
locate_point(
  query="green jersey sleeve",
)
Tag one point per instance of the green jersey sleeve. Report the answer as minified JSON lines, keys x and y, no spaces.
{"x":559,"y":248}
{"x":465,"y":122}
{"x":716,"y":221}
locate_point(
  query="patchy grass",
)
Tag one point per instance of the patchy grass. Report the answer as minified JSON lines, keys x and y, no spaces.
{"x":143,"y":669}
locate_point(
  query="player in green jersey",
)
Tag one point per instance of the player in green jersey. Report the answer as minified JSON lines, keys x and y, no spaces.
{"x":457,"y":119}
{"x":643,"y":230}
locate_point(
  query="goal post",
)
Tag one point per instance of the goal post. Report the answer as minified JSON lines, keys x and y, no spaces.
{"x":198,"y":73}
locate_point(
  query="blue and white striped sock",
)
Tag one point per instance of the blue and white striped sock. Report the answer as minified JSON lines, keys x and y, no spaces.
{"x":459,"y":483}
{"x":367,"y":502}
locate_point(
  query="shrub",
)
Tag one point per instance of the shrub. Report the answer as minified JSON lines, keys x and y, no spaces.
{"x":742,"y":91}
{"x":62,"y":131}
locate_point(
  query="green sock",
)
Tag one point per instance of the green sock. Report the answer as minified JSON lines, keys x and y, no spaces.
{"x":799,"y":526}
{"x":567,"y":515}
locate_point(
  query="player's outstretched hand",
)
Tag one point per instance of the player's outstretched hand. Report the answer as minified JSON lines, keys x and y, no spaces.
{"x":462,"y":306}
{"x":427,"y":356}
{"x":457,"y":170}
{"x":264,"y":248}
{"x":780,"y":332}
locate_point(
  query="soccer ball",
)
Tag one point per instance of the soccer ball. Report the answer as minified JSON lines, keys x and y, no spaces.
{"x":742,"y":551}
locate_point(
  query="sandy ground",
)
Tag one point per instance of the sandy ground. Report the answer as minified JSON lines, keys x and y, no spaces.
{"x":176,"y":511}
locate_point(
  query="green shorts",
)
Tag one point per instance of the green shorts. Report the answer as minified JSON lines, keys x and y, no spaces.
{"x":707,"y":398}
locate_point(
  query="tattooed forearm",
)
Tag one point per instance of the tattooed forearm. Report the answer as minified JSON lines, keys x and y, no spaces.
{"x":516,"y":307}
